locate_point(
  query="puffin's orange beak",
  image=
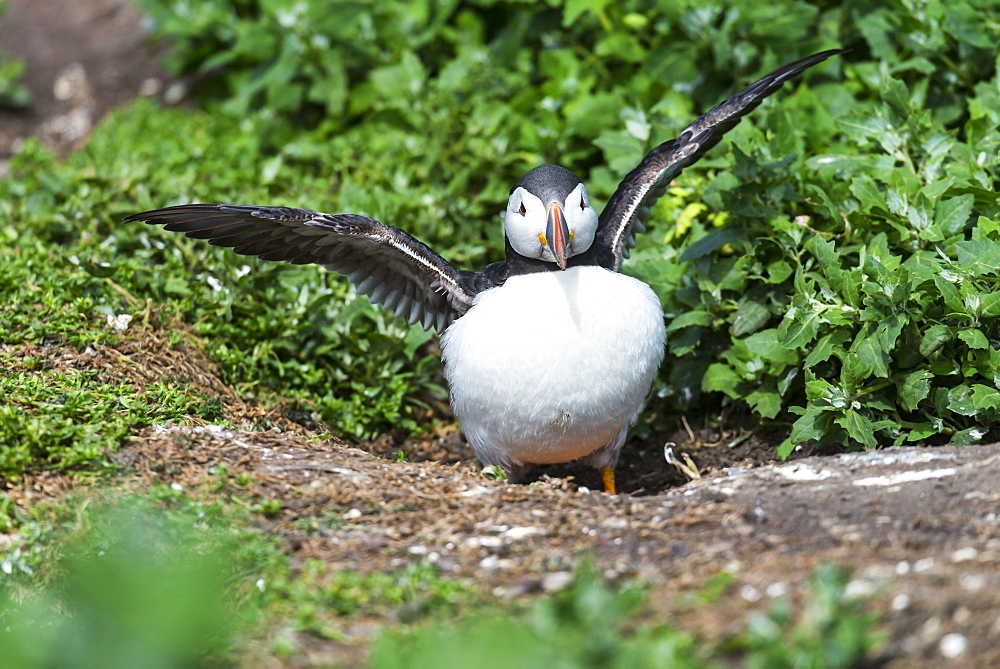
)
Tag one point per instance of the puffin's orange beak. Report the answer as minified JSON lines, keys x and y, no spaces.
{"x":557,"y":233}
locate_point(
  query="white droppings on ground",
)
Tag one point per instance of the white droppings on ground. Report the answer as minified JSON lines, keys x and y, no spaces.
{"x":516,"y":533}
{"x":893,"y":456}
{"x":952,"y":645}
{"x":478,"y":491}
{"x":964,"y":554}
{"x":750,"y":593}
{"x":906,"y":477}
{"x":555,"y":581}
{"x":972,"y":582}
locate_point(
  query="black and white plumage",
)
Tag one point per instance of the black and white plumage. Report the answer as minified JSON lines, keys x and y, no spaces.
{"x":549,"y":353}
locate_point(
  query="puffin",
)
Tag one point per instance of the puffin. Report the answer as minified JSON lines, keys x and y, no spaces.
{"x":548,"y":354}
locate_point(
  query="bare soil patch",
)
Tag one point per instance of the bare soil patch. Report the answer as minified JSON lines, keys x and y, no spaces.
{"x":84,"y":58}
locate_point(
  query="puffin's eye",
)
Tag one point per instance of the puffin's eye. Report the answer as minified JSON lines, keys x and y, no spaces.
{"x":521,"y":210}
{"x":583,"y":203}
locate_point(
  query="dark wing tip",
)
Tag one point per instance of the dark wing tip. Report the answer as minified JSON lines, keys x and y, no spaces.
{"x":159,"y":216}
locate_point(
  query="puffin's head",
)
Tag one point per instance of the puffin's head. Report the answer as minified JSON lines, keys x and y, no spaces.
{"x":549,"y":216}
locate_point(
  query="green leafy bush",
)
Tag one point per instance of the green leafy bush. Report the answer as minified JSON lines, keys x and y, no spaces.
{"x":832,"y":270}
{"x":839,"y":272}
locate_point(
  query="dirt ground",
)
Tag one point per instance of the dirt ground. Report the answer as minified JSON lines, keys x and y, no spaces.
{"x":919,"y":527}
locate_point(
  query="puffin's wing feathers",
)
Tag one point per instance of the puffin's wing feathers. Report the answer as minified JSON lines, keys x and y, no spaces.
{"x":630,"y":205}
{"x":391,"y":267}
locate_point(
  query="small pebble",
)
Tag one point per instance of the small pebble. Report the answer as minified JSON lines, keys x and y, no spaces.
{"x":952,"y":645}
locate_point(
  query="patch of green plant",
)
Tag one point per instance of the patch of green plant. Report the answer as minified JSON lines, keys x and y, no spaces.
{"x":158,"y":580}
{"x":856,"y":291}
{"x":300,"y":332}
{"x":72,"y":420}
{"x":317,"y":598}
{"x":830,"y":631}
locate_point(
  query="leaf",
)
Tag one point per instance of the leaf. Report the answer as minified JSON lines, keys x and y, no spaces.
{"x":766,"y":345}
{"x":711,"y":241}
{"x":989,"y":304}
{"x":825,"y":252}
{"x":824,"y":348}
{"x":952,"y":214}
{"x":785,"y":383}
{"x":813,"y":425}
{"x":968,"y":437}
{"x":696,"y":317}
{"x":921,"y":431}
{"x":800,"y":331}
{"x":574,"y":9}
{"x":985,"y":397}
{"x":721,"y":378}
{"x":873,"y":358}
{"x":778,"y":271}
{"x":950,"y":295}
{"x":974,"y":338}
{"x":914,"y":389}
{"x":859,"y":428}
{"x":868,"y":193}
{"x":750,"y":317}
{"x":934,"y":338}
{"x":961,"y":401}
{"x":979,"y":256}
{"x":766,"y":403}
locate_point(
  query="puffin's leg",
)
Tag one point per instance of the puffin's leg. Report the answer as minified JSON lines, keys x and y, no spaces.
{"x":608,"y":478}
{"x":605,"y":458}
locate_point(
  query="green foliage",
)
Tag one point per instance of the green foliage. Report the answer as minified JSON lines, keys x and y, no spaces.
{"x":868,"y":308}
{"x":297,"y":331}
{"x":834,"y":271}
{"x":317,"y":599}
{"x":12,"y":92}
{"x":831,"y":631}
{"x":60,"y":420}
{"x":133,"y":585}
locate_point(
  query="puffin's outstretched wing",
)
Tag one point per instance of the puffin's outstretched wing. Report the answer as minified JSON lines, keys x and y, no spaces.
{"x":391,"y":267}
{"x":630,"y":206}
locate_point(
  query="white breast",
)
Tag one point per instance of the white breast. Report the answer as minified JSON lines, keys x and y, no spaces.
{"x":550,"y":367}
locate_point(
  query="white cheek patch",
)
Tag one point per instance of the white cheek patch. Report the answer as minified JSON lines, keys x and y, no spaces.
{"x":523,"y":230}
{"x":582,"y":222}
